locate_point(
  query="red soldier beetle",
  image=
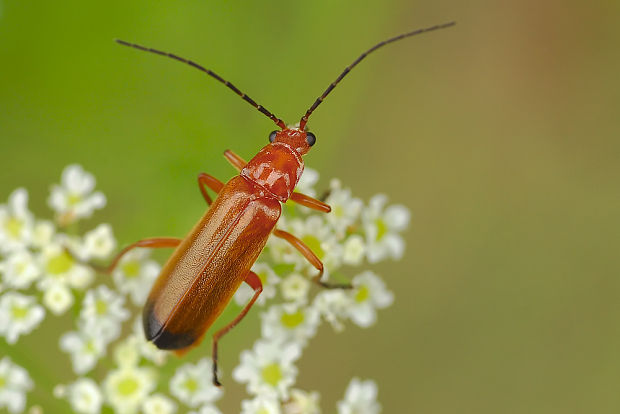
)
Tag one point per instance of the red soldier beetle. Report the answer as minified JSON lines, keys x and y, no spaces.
{"x":209,"y":264}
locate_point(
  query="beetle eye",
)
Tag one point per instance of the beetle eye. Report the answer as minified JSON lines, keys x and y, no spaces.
{"x":272,"y":136}
{"x":310,"y":138}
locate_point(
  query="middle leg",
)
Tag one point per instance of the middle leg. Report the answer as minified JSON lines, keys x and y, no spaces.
{"x":312,"y":258}
{"x":154,"y":243}
{"x":205,"y":180}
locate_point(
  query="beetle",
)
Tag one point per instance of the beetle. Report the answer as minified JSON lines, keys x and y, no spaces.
{"x":210,"y":263}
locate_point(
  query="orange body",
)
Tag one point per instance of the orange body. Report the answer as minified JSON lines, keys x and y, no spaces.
{"x":212,"y":261}
{"x":206,"y":269}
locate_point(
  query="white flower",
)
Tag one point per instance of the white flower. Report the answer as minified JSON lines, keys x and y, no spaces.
{"x":150,"y":351}
{"x":289,"y":322}
{"x":269,"y":280}
{"x":307,"y":182}
{"x":84,"y":396}
{"x":268,"y":369}
{"x":15,"y":222}
{"x":192,"y":384}
{"x":262,"y":404}
{"x":333,"y":305}
{"x":369,"y":292}
{"x":354,"y":250}
{"x":135,"y":274}
{"x":158,"y":404}
{"x":58,"y":298}
{"x":98,"y":243}
{"x":43,"y":233}
{"x":59,"y":266}
{"x":382,"y":229}
{"x":74,"y":199}
{"x":14,"y":382}
{"x":103,"y":310}
{"x":302,"y":402}
{"x":126,"y":353}
{"x":206,"y":409}
{"x":346,"y":209}
{"x":19,"y":269}
{"x":35,"y":409}
{"x":295,"y":288}
{"x":19,"y":315}
{"x":146,"y":348}
{"x":360,"y":398}
{"x":126,"y":388}
{"x":85,"y":347}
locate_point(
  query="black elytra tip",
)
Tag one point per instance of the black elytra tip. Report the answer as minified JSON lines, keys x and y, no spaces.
{"x":155,"y":332}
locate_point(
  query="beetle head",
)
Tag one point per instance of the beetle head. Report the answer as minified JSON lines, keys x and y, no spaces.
{"x":299,"y":140}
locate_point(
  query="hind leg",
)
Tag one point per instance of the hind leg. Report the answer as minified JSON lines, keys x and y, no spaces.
{"x":253,"y":280}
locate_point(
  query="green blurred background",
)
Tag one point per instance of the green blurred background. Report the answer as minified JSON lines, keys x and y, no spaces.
{"x":501,"y":135}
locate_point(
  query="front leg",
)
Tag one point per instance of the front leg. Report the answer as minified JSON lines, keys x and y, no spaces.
{"x":235,"y":160}
{"x":312,"y":258}
{"x":310,"y":202}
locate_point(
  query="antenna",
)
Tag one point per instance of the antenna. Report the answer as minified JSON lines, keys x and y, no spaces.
{"x":304,"y":119}
{"x":214,"y":75}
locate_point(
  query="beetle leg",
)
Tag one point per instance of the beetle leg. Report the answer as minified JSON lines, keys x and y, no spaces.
{"x":312,"y":258}
{"x":206,"y":180}
{"x":156,"y":242}
{"x":253,"y":280}
{"x":310,"y":202}
{"x":235,"y":160}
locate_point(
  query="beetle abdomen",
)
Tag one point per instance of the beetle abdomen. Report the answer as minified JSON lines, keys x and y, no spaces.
{"x":206,"y":269}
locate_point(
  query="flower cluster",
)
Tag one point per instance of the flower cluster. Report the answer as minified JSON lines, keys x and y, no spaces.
{"x":47,"y":270}
{"x":353,"y":233}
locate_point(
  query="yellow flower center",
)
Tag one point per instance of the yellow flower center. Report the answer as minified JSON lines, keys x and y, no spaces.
{"x":382,"y":228}
{"x":191,"y":385}
{"x":74,"y":199}
{"x":362,"y":294}
{"x":127,"y":386}
{"x":19,"y":312}
{"x":272,"y":374}
{"x":3,"y":382}
{"x":131,"y":269}
{"x":314,"y":244}
{"x":338,"y":211}
{"x":90,"y":347}
{"x":101,"y":307}
{"x":14,"y":227}
{"x":59,"y":264}
{"x":20,"y":268}
{"x":292,"y":320}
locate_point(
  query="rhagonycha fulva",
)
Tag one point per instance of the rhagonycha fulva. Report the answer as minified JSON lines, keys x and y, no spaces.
{"x":211,"y":262}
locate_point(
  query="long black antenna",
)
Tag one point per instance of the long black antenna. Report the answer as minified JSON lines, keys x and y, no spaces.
{"x":304,"y":119}
{"x":209,"y":72}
